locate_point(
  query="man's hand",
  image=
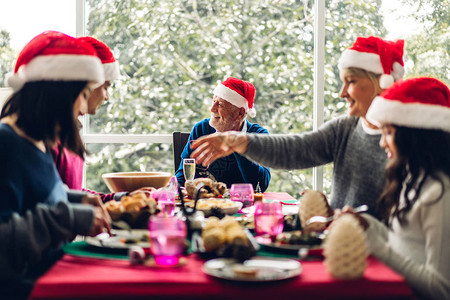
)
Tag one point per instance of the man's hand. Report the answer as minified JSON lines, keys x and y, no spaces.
{"x":96,"y":201}
{"x":100,"y":223}
{"x":220,"y":144}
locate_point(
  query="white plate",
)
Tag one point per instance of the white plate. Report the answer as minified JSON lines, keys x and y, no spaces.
{"x":267,"y":269}
{"x":120,"y":239}
{"x":231,"y":208}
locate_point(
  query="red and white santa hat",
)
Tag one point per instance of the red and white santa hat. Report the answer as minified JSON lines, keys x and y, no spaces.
{"x":376,"y":55}
{"x":238,"y":92}
{"x":55,"y":56}
{"x":110,"y":65}
{"x":421,"y":102}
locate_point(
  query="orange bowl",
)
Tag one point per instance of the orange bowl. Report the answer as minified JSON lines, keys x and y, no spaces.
{"x":131,"y":181}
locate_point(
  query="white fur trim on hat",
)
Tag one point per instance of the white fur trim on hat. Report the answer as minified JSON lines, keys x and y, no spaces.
{"x":371,"y":62}
{"x":363,"y":60}
{"x":63,"y":67}
{"x":416,"y":115}
{"x":231,"y":96}
{"x":111,"y":71}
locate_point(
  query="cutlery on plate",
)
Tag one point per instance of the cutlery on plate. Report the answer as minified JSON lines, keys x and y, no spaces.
{"x":322,"y":219}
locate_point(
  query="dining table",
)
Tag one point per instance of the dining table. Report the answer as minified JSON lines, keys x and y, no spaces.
{"x":89,"y":272}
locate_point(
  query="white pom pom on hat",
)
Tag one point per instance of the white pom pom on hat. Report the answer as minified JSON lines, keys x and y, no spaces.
{"x":422,"y":102}
{"x":238,"y":92}
{"x":386,"y":81}
{"x":376,"y":55}
{"x":15,"y":82}
{"x":55,"y":56}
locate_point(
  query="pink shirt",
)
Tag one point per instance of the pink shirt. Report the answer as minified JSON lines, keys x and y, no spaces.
{"x":70,"y":169}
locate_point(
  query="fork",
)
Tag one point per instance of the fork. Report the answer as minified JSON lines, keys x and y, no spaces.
{"x":322,"y":219}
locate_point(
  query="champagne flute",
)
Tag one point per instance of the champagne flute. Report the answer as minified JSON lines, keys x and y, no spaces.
{"x":189,"y":168}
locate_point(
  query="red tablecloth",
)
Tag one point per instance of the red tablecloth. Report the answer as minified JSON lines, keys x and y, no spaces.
{"x":91,"y":278}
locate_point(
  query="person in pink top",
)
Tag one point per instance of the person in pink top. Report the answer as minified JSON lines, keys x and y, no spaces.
{"x":70,"y":166}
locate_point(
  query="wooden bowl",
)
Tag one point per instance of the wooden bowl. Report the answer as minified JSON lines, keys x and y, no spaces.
{"x":131,"y":181}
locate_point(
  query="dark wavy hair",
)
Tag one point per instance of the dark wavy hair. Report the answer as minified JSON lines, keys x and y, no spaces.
{"x":421,"y":153}
{"x":42,"y":106}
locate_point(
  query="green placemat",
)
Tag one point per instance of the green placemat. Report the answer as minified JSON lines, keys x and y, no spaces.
{"x":82,"y":249}
{"x":295,"y":201}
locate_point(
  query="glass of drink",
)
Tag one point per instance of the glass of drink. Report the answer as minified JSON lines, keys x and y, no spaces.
{"x":167,"y":236}
{"x":268,"y":218}
{"x":166,"y":202}
{"x":189,"y":168}
{"x":242,"y":192}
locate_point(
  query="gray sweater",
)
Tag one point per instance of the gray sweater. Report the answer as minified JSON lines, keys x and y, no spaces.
{"x":358,"y":171}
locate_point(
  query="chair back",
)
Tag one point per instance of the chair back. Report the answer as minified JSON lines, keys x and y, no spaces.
{"x":179,"y":141}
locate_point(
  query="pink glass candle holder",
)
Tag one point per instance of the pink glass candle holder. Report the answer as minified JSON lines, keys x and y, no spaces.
{"x":242,"y":192}
{"x":268,"y":218}
{"x":167,"y":239}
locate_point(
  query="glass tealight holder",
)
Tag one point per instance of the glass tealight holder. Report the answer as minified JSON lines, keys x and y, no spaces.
{"x":269,"y":220}
{"x":167,"y":239}
{"x":242,"y":192}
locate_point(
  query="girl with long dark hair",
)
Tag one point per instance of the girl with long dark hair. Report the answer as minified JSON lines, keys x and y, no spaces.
{"x":52,"y":80}
{"x":414,"y":116}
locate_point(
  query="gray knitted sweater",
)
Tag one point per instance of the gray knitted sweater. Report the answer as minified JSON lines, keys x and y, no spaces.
{"x":358,"y":171}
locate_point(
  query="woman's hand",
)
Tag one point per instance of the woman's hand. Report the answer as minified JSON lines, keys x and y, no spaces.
{"x":348,"y":210}
{"x":220,"y":144}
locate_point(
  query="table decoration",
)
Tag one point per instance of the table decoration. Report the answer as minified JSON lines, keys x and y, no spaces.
{"x":167,"y":239}
{"x":345,"y":248}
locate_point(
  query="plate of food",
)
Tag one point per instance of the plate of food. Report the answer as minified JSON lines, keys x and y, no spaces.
{"x":225,"y":206}
{"x":293,"y":241}
{"x":134,"y":210}
{"x":255,"y":269}
{"x":120,"y":239}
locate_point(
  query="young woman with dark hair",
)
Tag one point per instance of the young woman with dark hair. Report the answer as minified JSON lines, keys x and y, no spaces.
{"x":53,"y":78}
{"x":421,"y":153}
{"x":414,"y":116}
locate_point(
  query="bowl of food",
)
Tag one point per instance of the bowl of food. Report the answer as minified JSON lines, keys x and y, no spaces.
{"x":131,"y":181}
